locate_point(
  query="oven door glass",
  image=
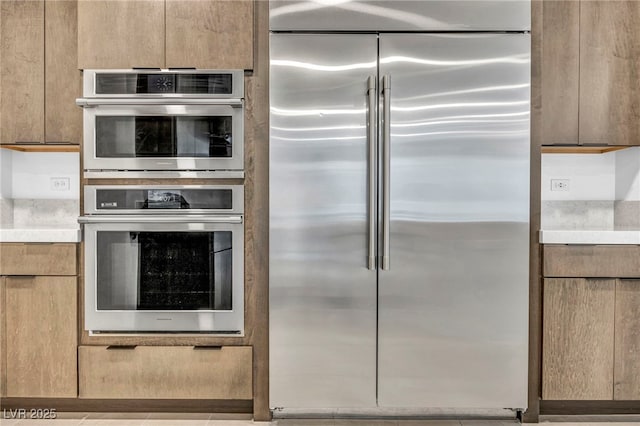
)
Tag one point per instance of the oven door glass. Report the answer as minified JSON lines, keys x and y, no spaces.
{"x":163,"y":137}
{"x":164,"y":271}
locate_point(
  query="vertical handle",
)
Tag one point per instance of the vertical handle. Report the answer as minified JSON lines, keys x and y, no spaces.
{"x":371,"y":139}
{"x":386,"y":169}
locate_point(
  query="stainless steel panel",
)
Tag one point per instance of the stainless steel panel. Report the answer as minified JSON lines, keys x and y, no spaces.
{"x":322,"y":294}
{"x":400,"y":15}
{"x":93,"y":102}
{"x":453,"y":307}
{"x":163,"y":174}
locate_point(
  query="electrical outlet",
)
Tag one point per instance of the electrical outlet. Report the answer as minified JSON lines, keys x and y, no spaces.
{"x":60,"y":184}
{"x":560,"y":184}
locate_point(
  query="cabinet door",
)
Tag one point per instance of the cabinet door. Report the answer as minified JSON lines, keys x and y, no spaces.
{"x":210,"y":34}
{"x":41,"y":336}
{"x":21,"y":71}
{"x":121,"y":34}
{"x":560,"y":72}
{"x":63,"y":80}
{"x":627,"y":347}
{"x":578,"y":339}
{"x":609,"y":72}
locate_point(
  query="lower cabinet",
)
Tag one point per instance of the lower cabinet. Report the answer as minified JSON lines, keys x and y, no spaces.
{"x":591,"y":325}
{"x":40,"y":336}
{"x":166,"y":372}
{"x":578,"y":339}
{"x":627,"y":340}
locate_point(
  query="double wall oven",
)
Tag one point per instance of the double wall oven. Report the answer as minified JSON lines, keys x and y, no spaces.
{"x":166,"y":257}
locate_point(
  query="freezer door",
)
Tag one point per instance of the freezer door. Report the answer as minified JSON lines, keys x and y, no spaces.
{"x":400,"y":15}
{"x":453,"y":304}
{"x":322,"y":294}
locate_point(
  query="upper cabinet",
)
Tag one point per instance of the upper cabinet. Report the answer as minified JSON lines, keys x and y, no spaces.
{"x":590,"y":94}
{"x":120,"y":34}
{"x":21,"y":71}
{"x":560,"y":71}
{"x":609,"y":72}
{"x":215,"y":34}
{"x":39,"y":81}
{"x":63,"y":80}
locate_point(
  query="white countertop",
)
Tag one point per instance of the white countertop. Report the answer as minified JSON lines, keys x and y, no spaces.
{"x":40,"y":234}
{"x":590,"y":237}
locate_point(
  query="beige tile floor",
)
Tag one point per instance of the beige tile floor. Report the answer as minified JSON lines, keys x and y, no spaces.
{"x":160,"y":419}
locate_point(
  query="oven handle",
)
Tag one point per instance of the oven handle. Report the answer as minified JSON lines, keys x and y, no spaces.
{"x":94,"y":102}
{"x":160,"y":219}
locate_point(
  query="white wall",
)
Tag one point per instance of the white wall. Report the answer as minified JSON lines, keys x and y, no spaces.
{"x":592,"y":176}
{"x":28,"y":175}
{"x":628,"y":174}
{"x":5,"y":173}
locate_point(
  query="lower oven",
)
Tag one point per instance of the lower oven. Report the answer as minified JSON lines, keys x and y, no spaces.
{"x":164,"y":259}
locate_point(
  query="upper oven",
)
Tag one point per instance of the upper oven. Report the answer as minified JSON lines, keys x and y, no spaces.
{"x":164,"y":123}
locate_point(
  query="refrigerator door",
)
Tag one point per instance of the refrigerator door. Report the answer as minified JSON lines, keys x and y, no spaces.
{"x":322,"y":292}
{"x":453,"y":305}
{"x":400,"y":15}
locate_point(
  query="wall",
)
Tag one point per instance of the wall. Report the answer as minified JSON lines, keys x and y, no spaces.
{"x":27,"y":197}
{"x":604,"y":190}
{"x":628,"y":174}
{"x":6,"y":203}
{"x":32,"y":172}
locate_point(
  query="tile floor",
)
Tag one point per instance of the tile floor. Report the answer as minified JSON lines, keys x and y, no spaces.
{"x":160,"y":419}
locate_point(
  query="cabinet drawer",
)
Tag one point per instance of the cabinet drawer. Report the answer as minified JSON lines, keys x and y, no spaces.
{"x":37,"y":259}
{"x":165,"y":372}
{"x":591,"y":261}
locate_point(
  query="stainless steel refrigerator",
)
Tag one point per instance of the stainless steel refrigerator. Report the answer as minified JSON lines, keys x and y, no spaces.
{"x":399,"y":205}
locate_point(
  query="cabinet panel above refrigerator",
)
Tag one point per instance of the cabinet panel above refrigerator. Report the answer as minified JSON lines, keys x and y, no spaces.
{"x":400,"y":15}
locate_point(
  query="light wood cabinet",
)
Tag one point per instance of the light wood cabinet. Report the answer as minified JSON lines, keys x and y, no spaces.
{"x":120,"y":34}
{"x":40,"y":328}
{"x":21,"y":71}
{"x":38,"y":259}
{"x":578,"y":339}
{"x":39,"y":81}
{"x":209,"y":34}
{"x":63,"y":80}
{"x":609,"y":72}
{"x":627,"y":344}
{"x":589,"y":73}
{"x":215,"y":34}
{"x":166,"y":372}
{"x":560,"y":72}
{"x":584,"y":261}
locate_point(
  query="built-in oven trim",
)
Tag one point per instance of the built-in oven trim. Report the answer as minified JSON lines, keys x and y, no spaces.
{"x":163,"y":174}
{"x":89,"y":83}
{"x":92,"y":162}
{"x":90,"y":207}
{"x":227,"y":323}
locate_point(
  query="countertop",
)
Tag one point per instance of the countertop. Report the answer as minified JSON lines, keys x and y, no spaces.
{"x":40,"y":234}
{"x":590,"y":237}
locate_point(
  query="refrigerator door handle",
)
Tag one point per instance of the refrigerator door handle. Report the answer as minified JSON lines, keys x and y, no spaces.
{"x":386,"y":169}
{"x":371,"y":136}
